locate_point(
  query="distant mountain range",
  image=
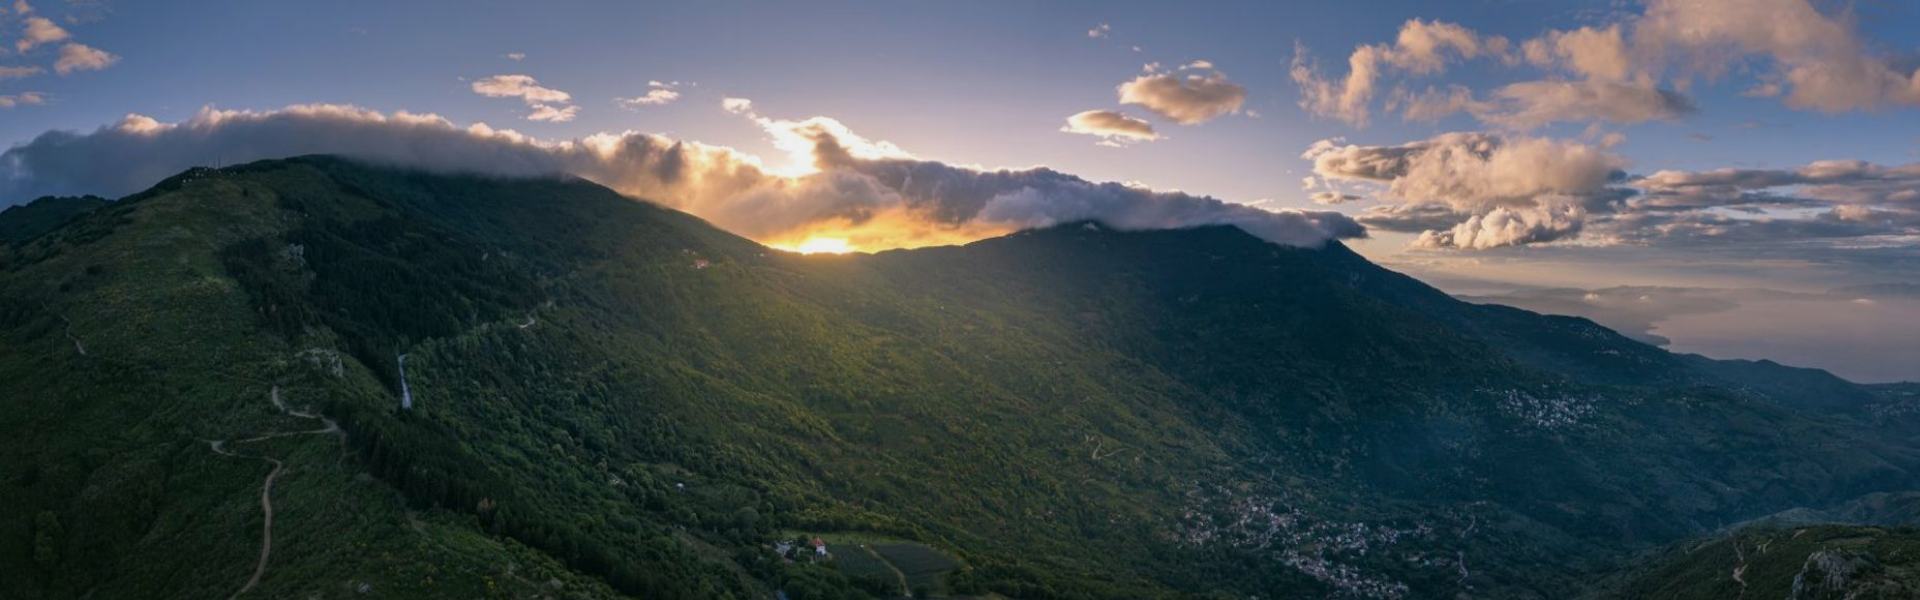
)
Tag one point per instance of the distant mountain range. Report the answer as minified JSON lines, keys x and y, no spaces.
{"x":613,"y":399}
{"x":1862,"y":332}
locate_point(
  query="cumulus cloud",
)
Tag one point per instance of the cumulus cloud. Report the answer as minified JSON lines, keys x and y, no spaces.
{"x":1113,"y":127}
{"x":1099,"y":31}
{"x":1597,"y":54}
{"x":658,"y":93}
{"x":1476,"y":191}
{"x":1818,"y":60}
{"x":1809,"y":59}
{"x":865,"y":191}
{"x":548,"y":104}
{"x":38,"y":31}
{"x":1187,"y":99}
{"x":736,"y":106}
{"x":1504,"y":226}
{"x":1472,"y":171}
{"x":81,"y":57}
{"x":1422,"y":48}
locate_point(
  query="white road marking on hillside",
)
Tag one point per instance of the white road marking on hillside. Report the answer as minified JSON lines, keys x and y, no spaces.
{"x":406,"y":395}
{"x":67,"y":330}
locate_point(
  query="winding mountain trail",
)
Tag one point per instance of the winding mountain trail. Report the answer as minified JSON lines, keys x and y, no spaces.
{"x":266,"y":507}
{"x":266,"y":489}
{"x":67,"y":330}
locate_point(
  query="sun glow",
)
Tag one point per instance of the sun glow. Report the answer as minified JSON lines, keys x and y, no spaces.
{"x":881,"y":229}
{"x":823,"y":245}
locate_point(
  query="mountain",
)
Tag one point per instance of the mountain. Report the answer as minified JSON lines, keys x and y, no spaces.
{"x":608,"y":398}
{"x":19,"y":223}
{"x":1880,"y":290}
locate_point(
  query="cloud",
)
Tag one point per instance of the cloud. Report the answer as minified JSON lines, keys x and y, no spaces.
{"x":1188,"y":100}
{"x":1411,"y":218}
{"x":81,"y":57}
{"x":1471,"y":171}
{"x":1851,"y":182}
{"x":38,"y":31}
{"x":868,"y":192}
{"x":736,"y":106}
{"x":548,"y":104}
{"x":22,"y":99}
{"x":1596,"y":54}
{"x":1113,"y":127}
{"x":553,"y":114}
{"x":19,"y":72}
{"x":524,"y":87}
{"x":1422,"y":48}
{"x":1531,"y":104}
{"x":1818,"y":60}
{"x":657,"y":94}
{"x":1792,"y":51}
{"x":1333,"y":198}
{"x":1478,"y":190}
{"x":81,"y":12}
{"x":1504,"y":226}
{"x":514,"y":56}
{"x":1099,"y":31}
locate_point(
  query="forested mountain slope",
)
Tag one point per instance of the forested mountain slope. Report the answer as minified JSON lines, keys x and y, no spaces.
{"x":611,"y":398}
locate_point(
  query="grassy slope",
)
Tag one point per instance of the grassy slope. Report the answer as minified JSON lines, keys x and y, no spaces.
{"x":1074,"y":412}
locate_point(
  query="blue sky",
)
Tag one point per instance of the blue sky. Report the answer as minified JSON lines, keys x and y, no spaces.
{"x":990,"y":84}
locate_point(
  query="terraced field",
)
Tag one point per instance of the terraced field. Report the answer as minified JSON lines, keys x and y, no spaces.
{"x":918,"y":567}
{"x":860,"y":562}
{"x":922,"y":565}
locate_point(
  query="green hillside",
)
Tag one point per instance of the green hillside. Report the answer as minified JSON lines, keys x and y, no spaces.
{"x":20,"y":223}
{"x":611,"y":398}
{"x":1813,"y":562}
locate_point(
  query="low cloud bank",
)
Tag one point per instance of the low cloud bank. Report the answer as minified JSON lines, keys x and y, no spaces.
{"x":870,"y":193}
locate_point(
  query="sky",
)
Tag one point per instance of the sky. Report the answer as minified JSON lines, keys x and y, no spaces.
{"x":1489,"y":145}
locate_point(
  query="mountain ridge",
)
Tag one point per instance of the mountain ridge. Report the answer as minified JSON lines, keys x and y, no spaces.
{"x":1068,"y":412}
